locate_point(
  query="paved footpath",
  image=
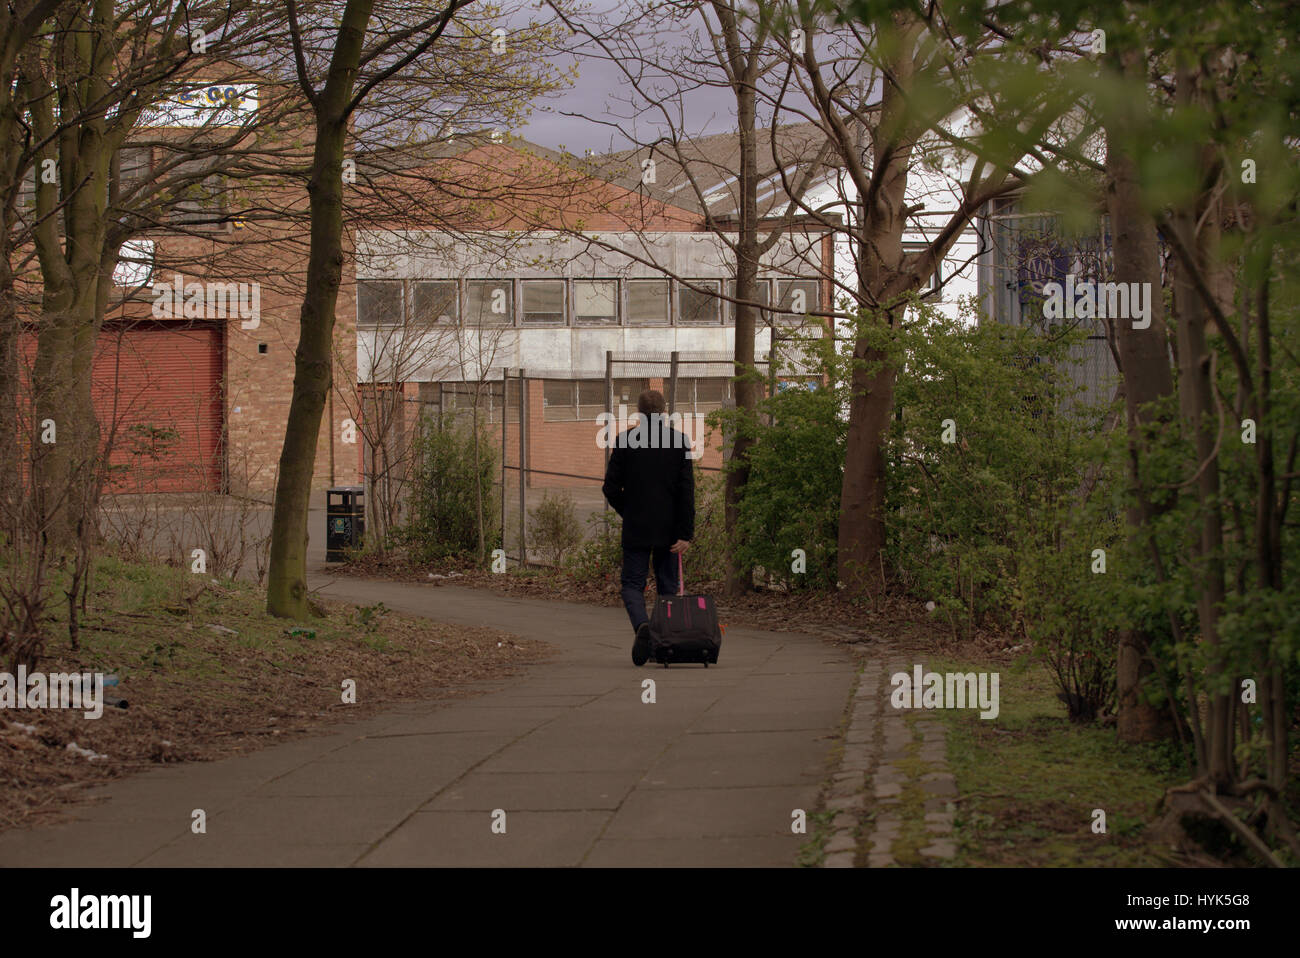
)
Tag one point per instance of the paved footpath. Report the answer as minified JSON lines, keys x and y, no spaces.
{"x":585,"y":771}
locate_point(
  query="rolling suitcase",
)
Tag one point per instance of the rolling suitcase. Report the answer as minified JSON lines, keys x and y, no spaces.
{"x":684,"y":628}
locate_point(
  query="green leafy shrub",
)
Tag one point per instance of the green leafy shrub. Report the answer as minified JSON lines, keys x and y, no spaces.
{"x":791,"y":499}
{"x":445,"y":491}
{"x":1067,"y":602}
{"x":706,"y":561}
{"x":599,"y":558}
{"x":553,"y":527}
{"x":989,"y":450}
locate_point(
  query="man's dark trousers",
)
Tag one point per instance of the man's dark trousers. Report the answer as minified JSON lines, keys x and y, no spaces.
{"x":636,"y":564}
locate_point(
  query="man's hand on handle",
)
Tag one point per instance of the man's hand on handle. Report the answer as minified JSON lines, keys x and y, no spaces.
{"x":680,"y":546}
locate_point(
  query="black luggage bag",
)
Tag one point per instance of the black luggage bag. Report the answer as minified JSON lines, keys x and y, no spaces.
{"x":684,"y":628}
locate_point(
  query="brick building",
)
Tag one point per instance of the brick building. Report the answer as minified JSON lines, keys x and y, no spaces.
{"x":194,"y":363}
{"x":587,"y":280}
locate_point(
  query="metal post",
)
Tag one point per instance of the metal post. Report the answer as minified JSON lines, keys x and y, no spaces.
{"x":505,"y":417}
{"x":611,"y":426}
{"x":771,"y":362}
{"x":672,"y":384}
{"x":609,"y":393}
{"x":523,"y":423}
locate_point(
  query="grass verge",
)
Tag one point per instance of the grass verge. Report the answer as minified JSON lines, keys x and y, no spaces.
{"x":1029,"y":781}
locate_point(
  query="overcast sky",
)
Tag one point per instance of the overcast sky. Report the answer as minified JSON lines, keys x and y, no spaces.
{"x":579,"y":117}
{"x":573,"y":118}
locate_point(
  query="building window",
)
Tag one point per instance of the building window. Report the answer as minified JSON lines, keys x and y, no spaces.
{"x":936,"y":278}
{"x":559,"y":400}
{"x":572,"y":400}
{"x":135,"y":264}
{"x":698,"y":304}
{"x":626,"y":393}
{"x":379,"y":302}
{"x":133,"y":167}
{"x":543,"y":301}
{"x":762,"y":295}
{"x":490,"y":302}
{"x":457,"y":402}
{"x":27,"y":189}
{"x":703,"y":395}
{"x":796,"y":298}
{"x":647,"y":302}
{"x":595,"y":302}
{"x":436,"y":301}
{"x":199,"y":199}
{"x":582,"y":400}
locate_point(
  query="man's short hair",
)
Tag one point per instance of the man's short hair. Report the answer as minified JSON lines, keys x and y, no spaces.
{"x":650,"y":402}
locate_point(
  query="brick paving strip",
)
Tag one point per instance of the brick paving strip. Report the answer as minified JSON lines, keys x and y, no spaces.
{"x":892,"y":794}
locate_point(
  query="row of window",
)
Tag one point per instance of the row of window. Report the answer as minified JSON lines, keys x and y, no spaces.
{"x":576,"y":302}
{"x":576,"y":400}
{"x":202,"y":203}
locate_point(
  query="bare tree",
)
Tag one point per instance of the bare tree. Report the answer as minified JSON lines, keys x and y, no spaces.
{"x":412,"y":53}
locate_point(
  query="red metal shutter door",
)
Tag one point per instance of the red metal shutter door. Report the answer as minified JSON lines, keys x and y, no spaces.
{"x":158,"y":397}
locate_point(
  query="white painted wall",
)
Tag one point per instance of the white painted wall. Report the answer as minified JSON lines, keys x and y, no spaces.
{"x":960,"y":267}
{"x":447,"y":353}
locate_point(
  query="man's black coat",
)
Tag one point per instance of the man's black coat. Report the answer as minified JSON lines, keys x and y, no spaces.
{"x":653,"y":490}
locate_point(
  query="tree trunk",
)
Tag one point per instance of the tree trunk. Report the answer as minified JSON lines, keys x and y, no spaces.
{"x":478,"y":483}
{"x":1197,"y":404}
{"x":862,"y":492}
{"x":61,"y":380}
{"x":1268,"y":541}
{"x":10,"y":438}
{"x":861,"y":539}
{"x":286,"y":590}
{"x":1144,"y":359}
{"x":739,"y":575}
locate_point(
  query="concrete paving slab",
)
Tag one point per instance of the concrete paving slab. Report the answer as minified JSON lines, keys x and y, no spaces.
{"x":340,"y":779}
{"x":429,"y":746}
{"x":471,"y":719}
{"x":748,"y":852}
{"x":701,"y":813}
{"x":84,"y":844}
{"x":562,"y":755}
{"x":537,"y":791}
{"x":251,"y":852}
{"x":314,"y":820}
{"x":722,"y":758}
{"x":465,"y":839}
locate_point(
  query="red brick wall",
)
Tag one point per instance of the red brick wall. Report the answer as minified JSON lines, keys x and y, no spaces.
{"x":259,"y":386}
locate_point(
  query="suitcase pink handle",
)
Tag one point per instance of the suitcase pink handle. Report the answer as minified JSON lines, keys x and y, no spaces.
{"x":681,"y":579}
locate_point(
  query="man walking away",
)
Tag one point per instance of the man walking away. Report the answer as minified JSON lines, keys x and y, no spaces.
{"x":650,"y":483}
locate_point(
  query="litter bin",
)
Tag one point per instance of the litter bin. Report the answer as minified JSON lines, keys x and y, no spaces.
{"x":345,"y":520}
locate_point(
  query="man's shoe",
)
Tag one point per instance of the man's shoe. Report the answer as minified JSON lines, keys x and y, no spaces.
{"x":641,"y":645}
